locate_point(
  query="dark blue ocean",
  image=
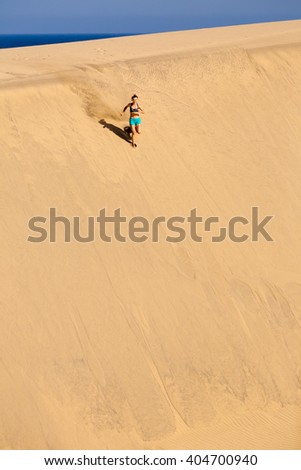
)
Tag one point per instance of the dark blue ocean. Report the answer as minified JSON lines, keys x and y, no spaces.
{"x":23,"y":40}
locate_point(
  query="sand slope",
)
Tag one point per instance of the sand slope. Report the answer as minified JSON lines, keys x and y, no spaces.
{"x":152,"y":345}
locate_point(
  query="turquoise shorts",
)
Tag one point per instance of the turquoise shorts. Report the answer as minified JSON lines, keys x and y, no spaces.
{"x":135,"y":121}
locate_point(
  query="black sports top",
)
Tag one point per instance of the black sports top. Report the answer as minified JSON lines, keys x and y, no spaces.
{"x":134,"y":110}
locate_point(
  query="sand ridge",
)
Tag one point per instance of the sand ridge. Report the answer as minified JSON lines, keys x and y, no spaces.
{"x":152,"y":345}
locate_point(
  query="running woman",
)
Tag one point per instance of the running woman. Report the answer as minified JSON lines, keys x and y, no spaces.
{"x":135,"y":120}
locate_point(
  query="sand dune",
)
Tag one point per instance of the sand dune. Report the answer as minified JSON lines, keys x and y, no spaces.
{"x":152,"y":345}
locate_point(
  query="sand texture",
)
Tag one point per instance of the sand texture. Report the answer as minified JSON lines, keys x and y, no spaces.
{"x":152,"y":345}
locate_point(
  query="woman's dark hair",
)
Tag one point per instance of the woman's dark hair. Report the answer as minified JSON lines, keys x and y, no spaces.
{"x":134,"y":96}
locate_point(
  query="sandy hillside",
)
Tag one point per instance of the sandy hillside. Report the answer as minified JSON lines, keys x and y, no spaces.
{"x":152,"y":345}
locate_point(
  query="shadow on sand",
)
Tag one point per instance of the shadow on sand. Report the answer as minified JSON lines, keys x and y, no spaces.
{"x":124,"y":133}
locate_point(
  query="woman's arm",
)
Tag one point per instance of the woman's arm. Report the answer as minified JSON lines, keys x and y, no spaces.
{"x":139,"y":107}
{"x":125,"y":108}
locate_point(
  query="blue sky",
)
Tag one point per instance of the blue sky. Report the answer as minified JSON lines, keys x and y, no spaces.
{"x":127,"y":16}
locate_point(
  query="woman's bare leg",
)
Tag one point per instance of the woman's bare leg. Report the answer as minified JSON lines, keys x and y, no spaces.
{"x":133,"y":135}
{"x":138,"y":130}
